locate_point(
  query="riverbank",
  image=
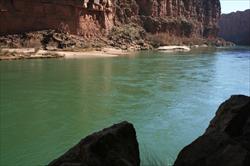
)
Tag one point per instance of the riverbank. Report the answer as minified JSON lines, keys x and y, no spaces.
{"x":37,"y":53}
{"x":33,"y":53}
{"x":53,"y":44}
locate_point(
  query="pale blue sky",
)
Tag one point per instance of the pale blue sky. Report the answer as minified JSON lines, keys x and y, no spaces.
{"x":228,"y":6}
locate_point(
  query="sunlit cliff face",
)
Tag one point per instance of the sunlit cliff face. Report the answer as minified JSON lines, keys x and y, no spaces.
{"x":191,"y":17}
{"x":175,"y":17}
{"x":82,"y":17}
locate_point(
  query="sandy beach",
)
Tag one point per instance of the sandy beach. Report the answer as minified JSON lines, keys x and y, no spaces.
{"x":32,"y":53}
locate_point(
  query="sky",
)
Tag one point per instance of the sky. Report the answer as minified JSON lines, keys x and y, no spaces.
{"x":228,"y":6}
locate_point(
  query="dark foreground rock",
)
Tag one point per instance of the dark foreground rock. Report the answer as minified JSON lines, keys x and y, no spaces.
{"x":226,"y":141}
{"x":113,"y":146}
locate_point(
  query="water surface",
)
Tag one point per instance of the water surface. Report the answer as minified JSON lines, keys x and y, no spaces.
{"x":47,"y":106}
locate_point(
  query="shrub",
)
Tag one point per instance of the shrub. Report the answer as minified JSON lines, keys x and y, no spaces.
{"x":164,"y":39}
{"x":126,"y":33}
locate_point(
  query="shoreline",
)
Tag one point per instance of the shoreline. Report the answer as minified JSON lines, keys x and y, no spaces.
{"x":52,"y":44}
{"x":37,"y":53}
{"x":32,"y":53}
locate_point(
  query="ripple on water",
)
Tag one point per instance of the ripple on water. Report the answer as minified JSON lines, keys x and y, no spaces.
{"x":47,"y":106}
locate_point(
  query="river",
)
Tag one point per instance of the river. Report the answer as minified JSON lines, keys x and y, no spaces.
{"x":47,"y":106}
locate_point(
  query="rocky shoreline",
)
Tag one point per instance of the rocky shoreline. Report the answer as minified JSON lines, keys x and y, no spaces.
{"x":225,"y":142}
{"x":52,"y":44}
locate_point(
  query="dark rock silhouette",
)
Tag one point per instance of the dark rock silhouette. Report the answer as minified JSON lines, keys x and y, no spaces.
{"x":113,"y":146}
{"x":226,"y":141}
{"x":235,"y":27}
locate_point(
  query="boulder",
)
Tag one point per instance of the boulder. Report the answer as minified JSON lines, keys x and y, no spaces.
{"x":113,"y":146}
{"x":226,"y":141}
{"x":174,"y":48}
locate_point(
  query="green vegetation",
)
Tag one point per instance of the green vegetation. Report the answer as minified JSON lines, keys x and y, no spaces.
{"x":126,"y":34}
{"x":164,"y":39}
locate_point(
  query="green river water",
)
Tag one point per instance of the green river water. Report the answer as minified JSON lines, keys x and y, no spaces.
{"x":47,"y":106}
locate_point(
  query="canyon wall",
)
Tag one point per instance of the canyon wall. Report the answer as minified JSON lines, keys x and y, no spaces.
{"x":78,"y":17}
{"x":235,"y":27}
{"x":97,"y":17}
{"x":178,"y":17}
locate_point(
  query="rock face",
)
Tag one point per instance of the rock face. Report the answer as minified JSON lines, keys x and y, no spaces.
{"x":113,"y":146}
{"x":178,"y":17}
{"x":235,"y":27}
{"x":226,"y":140}
{"x":91,"y":18}
{"x":81,"y":17}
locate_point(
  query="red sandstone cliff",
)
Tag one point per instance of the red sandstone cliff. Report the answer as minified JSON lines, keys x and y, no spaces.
{"x":178,"y":17}
{"x":101,"y":18}
{"x":81,"y":17}
{"x":235,"y":27}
